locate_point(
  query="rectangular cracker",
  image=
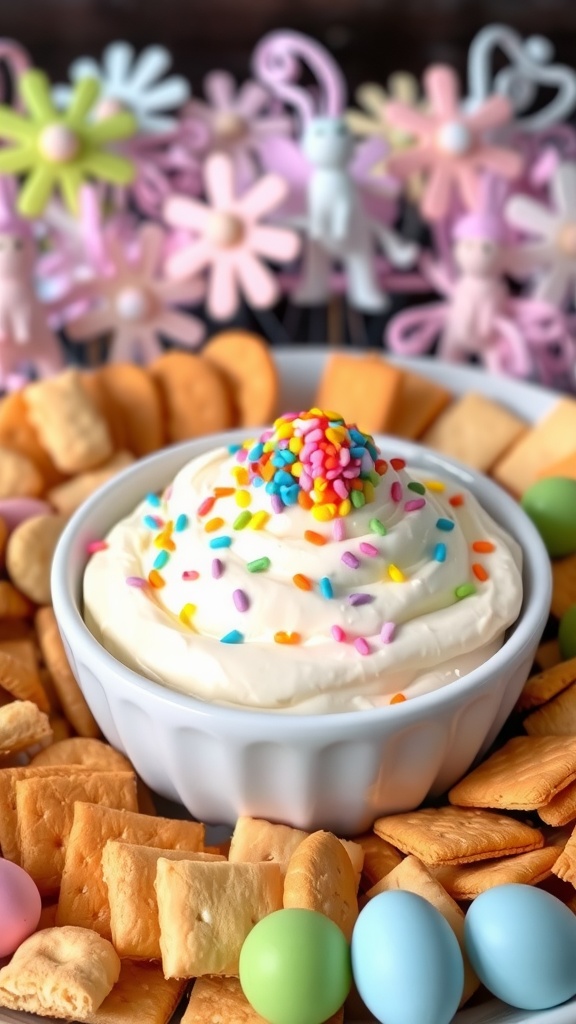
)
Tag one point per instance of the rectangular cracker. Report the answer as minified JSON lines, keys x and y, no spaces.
{"x":466,"y":881}
{"x":206,"y":911}
{"x":565,"y":866}
{"x":547,"y":684}
{"x":457,"y":835}
{"x":524,"y":774}
{"x":421,"y":402}
{"x":23,"y":725}
{"x":555,"y":718}
{"x":364,"y":389}
{"x":563,"y":585}
{"x":561,"y":809}
{"x":255,"y":839}
{"x":129,"y":874}
{"x":550,"y":439}
{"x":411,"y":875}
{"x":566,"y":466}
{"x":67,"y":497}
{"x":475,"y":430}
{"x":220,"y":1000}
{"x":142,"y":995}
{"x":380,"y":857}
{"x":69,"y":693}
{"x":45,"y":811}
{"x":83,"y":895}
{"x":68,"y":424}
{"x":9,"y":842}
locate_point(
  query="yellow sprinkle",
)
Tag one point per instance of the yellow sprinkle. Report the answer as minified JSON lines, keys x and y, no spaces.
{"x":240,"y":474}
{"x":335,"y":434}
{"x":284,"y":431}
{"x":249,"y":444}
{"x":295,"y":445}
{"x":369,"y":490}
{"x":214,"y":524}
{"x":243,"y":498}
{"x":396,"y":574}
{"x":435,"y":485}
{"x":259,"y":520}
{"x":278,"y":422}
{"x":320,"y":485}
{"x":331,"y":415}
{"x":164,"y":538}
{"x":314,"y":412}
{"x":324,"y":512}
{"x":186,"y":613}
{"x":296,"y":469}
{"x":345,"y":507}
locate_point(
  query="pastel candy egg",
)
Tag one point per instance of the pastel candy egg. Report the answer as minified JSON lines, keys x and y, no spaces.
{"x":522,"y":944}
{"x":551,"y":505}
{"x":567,"y":633}
{"x":16,"y":510}
{"x":406,"y":960}
{"x":20,"y":906}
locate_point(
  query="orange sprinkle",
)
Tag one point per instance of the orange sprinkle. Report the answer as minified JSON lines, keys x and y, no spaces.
{"x":267,"y":471}
{"x":223,"y":492}
{"x":456,"y":499}
{"x":314,"y":538}
{"x":301,"y":581}
{"x":479,"y":572}
{"x":398,"y":698}
{"x":163,"y":540}
{"x":304,"y":500}
{"x":483,"y":547}
{"x":156,"y":580}
{"x":214,"y":524}
{"x":287,"y":638}
{"x":356,"y":485}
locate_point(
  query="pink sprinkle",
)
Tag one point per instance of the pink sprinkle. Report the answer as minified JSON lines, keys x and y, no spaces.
{"x":96,"y":545}
{"x":414,"y":503}
{"x":206,"y":506}
{"x":315,"y":435}
{"x":167,"y":493}
{"x":387,"y":632}
{"x":190,"y":574}
{"x":242,"y":454}
{"x":135,"y":581}
{"x":396,"y":491}
{"x":240,"y":598}
{"x":217,"y":568}
{"x":338,"y":634}
{"x":306,"y":482}
{"x":369,"y":549}
{"x":307,"y":452}
{"x":340,"y":488}
{"x":317,"y":454}
{"x":344,"y":456}
{"x":338,"y":529}
{"x":351,"y":472}
{"x":309,"y":425}
{"x":350,"y":560}
{"x":267,"y":435}
{"x":361,"y":645}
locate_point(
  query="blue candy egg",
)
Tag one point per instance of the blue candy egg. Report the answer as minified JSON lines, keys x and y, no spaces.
{"x":522,"y":944}
{"x":406,"y":960}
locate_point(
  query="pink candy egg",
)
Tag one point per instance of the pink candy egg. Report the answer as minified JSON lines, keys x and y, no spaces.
{"x":20,"y":906}
{"x":15,"y":510}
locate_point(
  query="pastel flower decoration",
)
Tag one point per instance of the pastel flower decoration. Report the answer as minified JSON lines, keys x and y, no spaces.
{"x":554,"y":233}
{"x":451,"y":147}
{"x":133,"y":301}
{"x":230,"y":240}
{"x":61,"y":149}
{"x":136,"y":83}
{"x":373,"y":99}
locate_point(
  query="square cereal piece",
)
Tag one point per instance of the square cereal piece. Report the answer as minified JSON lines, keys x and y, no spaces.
{"x":69,"y":426}
{"x":466,"y":881}
{"x":563,"y":585}
{"x":547,"y":684}
{"x":547,"y":441}
{"x":23,"y":725}
{"x":45,"y":811}
{"x":219,"y":1000}
{"x":412,"y":875}
{"x":129,"y":873}
{"x":475,"y":430}
{"x":524,"y":774}
{"x":555,"y":718}
{"x":9,"y":840}
{"x":457,"y":835}
{"x":379,"y":858}
{"x":255,"y":840}
{"x":60,"y":972}
{"x":364,"y":389}
{"x":83,"y":894}
{"x":207,"y":910}
{"x":142,"y":994}
{"x":421,"y":402}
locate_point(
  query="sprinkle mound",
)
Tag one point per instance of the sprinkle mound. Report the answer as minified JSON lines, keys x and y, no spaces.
{"x":316,"y":460}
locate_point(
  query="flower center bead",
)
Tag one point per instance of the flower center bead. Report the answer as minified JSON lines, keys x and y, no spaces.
{"x":228,"y":126}
{"x":454,"y":137}
{"x":566,"y":239}
{"x":108,"y":107}
{"x":58,"y":143}
{"x":224,"y":229}
{"x":132,"y":304}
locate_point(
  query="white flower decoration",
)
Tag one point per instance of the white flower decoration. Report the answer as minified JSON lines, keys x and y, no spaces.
{"x":130,"y":82}
{"x":555,"y":231}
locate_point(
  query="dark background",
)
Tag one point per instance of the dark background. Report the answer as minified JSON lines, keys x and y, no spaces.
{"x":370,"y":38}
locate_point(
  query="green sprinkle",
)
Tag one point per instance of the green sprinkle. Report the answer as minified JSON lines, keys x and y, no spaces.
{"x":374,"y":477}
{"x":161,"y":559}
{"x":377,"y":526}
{"x":465,"y":590}
{"x":258,"y":565}
{"x":242,"y":520}
{"x":357,"y":498}
{"x":181,"y":523}
{"x":416,"y":487}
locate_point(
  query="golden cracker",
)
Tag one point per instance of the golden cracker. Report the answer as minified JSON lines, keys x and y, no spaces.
{"x":563,"y":585}
{"x":18,"y":434}
{"x":69,"y":426}
{"x":132,"y":391}
{"x":365,"y":390}
{"x":22,"y":725}
{"x":475,"y":430}
{"x":320,"y":877}
{"x":68,"y":496}
{"x":29,"y":555}
{"x":14,"y":606}
{"x":255,"y":839}
{"x":69,"y":693}
{"x":8,"y":822}
{"x":422,"y":401}
{"x":466,"y":881}
{"x":250,"y":371}
{"x":524,"y":774}
{"x":561,"y":809}
{"x":21,"y":681}
{"x":193,"y":394}
{"x":551,"y":438}
{"x":142,"y":995}
{"x":19,"y":476}
{"x":555,"y":718}
{"x":379,"y":858}
{"x":547,"y":684}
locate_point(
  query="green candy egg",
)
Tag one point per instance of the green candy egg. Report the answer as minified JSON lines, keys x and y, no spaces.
{"x":551,"y":505}
{"x":295,"y":967}
{"x":567,"y":633}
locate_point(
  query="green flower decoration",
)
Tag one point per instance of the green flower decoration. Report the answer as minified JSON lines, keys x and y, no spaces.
{"x":61,"y":149}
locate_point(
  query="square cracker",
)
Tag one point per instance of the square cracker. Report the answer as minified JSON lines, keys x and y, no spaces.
{"x":379,"y":858}
{"x":22,"y":725}
{"x":421,"y":401}
{"x":475,"y":430}
{"x":21,"y":680}
{"x":565,"y":866}
{"x":467,"y":881}
{"x":524,"y":774}
{"x":563,"y":584}
{"x":550,"y":439}
{"x":255,"y":839}
{"x":545,"y":685}
{"x":207,"y":910}
{"x":45,"y":811}
{"x":412,"y":875}
{"x":561,"y":809}
{"x":9,"y":841}
{"x":457,"y":835}
{"x":364,"y":389}
{"x":60,"y":972}
{"x":83,"y":895}
{"x":555,"y":718}
{"x":129,"y":873}
{"x":141,"y":994}
{"x":69,"y":426}
{"x":219,"y":1000}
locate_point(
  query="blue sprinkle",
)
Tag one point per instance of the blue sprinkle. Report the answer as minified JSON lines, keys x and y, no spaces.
{"x":255,"y":453}
{"x":181,"y":523}
{"x":272,"y":487}
{"x":373,"y":450}
{"x":445,"y":524}
{"x":357,"y":452}
{"x":220,"y":542}
{"x":289,"y":457}
{"x":440,"y":553}
{"x":233,"y":448}
{"x":326,"y":587}
{"x":278,"y":459}
{"x":154,"y":500}
{"x":356,"y":436}
{"x":283,"y":478}
{"x":257,"y":481}
{"x":233,"y":637}
{"x":151,"y":522}
{"x":161,"y":559}
{"x":289,"y":494}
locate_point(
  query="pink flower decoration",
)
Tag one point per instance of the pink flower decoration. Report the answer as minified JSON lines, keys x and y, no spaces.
{"x":230,"y":238}
{"x":451,"y":147}
{"x":133,"y":301}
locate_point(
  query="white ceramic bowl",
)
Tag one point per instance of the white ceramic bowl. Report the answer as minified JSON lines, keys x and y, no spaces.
{"x":316,"y":771}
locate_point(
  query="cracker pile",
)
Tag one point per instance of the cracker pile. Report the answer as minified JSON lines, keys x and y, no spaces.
{"x":135,"y":905}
